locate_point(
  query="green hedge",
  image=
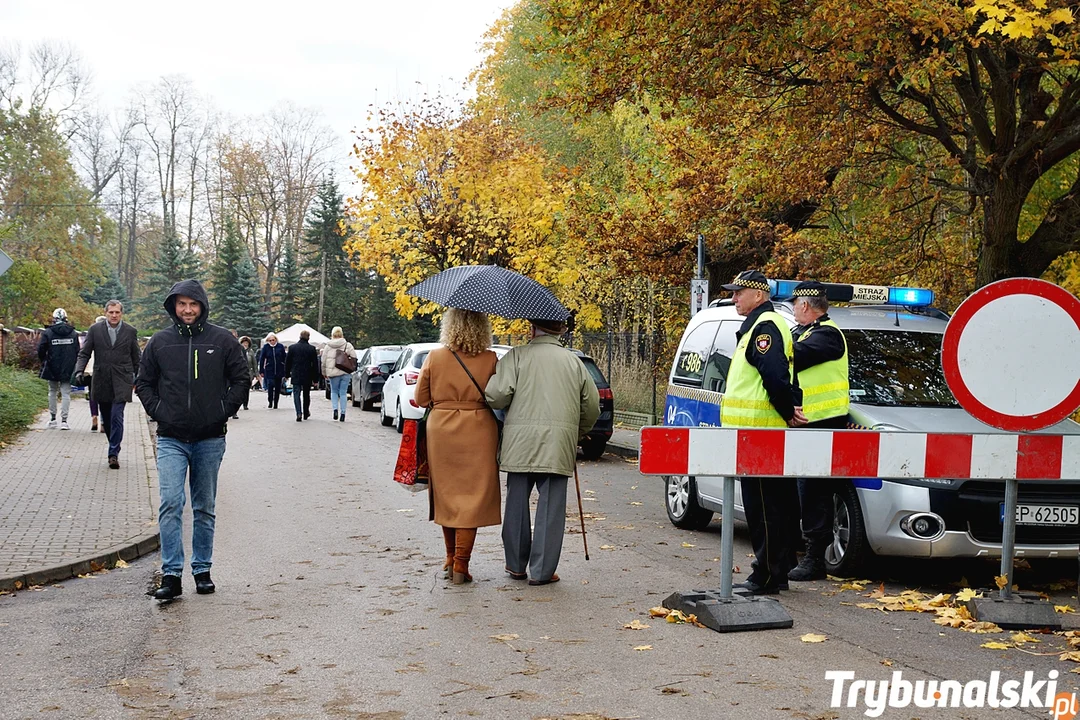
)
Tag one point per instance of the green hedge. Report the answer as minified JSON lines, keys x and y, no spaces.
{"x":22,"y":396}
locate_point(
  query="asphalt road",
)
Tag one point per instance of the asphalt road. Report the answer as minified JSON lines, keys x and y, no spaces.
{"x":329,"y":604}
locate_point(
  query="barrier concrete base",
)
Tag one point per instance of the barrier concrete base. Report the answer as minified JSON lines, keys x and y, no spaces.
{"x":1019,"y":612}
{"x":734,"y":614}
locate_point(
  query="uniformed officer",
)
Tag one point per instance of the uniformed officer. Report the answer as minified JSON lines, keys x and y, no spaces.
{"x":821,"y":372}
{"x":760,"y":394}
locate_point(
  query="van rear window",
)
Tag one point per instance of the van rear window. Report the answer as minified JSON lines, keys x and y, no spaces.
{"x":694,"y":354}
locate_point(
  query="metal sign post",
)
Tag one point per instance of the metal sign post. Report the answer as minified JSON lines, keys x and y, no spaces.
{"x":5,"y":262}
{"x":1038,"y":394}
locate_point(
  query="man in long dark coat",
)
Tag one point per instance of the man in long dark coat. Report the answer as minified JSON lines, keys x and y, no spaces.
{"x":115,"y":347}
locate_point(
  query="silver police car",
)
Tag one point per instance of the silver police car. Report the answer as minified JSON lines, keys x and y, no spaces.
{"x":896,"y":383}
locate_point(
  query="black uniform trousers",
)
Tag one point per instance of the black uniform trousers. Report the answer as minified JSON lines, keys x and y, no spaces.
{"x":816,"y":501}
{"x":772,"y":507}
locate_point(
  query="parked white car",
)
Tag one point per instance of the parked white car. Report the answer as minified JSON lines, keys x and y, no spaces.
{"x":399,"y":392}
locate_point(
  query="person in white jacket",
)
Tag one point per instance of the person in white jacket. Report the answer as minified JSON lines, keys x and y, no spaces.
{"x":337,"y":378}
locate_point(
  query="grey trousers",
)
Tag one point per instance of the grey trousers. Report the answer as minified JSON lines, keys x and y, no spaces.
{"x":540,"y":547}
{"x":64,"y":389}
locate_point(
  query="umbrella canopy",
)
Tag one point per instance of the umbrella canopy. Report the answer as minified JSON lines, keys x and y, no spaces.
{"x":291,"y":335}
{"x":493,"y":290}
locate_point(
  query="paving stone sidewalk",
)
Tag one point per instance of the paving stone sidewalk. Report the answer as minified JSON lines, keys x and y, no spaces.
{"x":63,"y":512}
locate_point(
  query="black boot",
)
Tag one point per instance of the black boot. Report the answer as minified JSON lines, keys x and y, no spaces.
{"x":170,"y":588}
{"x":203,"y":584}
{"x":809,"y":568}
{"x":342,"y":418}
{"x":335,"y":414}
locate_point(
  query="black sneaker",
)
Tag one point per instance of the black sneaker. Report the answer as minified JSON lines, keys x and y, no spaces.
{"x":808,"y":569}
{"x":335,"y":414}
{"x":749,"y":587}
{"x":203,"y":584}
{"x":170,"y":588}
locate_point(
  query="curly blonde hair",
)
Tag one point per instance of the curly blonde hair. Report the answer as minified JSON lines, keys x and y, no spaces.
{"x":465,"y":331}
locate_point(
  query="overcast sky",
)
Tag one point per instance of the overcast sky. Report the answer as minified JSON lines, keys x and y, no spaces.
{"x":335,"y":56}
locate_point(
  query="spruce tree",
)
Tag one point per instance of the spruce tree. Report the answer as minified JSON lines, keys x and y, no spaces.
{"x":173,"y":264}
{"x":235,"y":288}
{"x":110,"y":288}
{"x":251,"y":314}
{"x":330,"y":283}
{"x":286,"y":297}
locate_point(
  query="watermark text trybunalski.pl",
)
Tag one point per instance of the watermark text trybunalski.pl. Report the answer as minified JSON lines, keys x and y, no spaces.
{"x":875,"y":696}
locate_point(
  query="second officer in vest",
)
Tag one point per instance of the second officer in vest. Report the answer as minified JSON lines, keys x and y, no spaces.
{"x":760,"y":394}
{"x":821,"y":370}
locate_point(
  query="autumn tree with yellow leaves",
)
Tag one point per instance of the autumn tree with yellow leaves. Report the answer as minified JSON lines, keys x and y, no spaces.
{"x":446,"y":186}
{"x":930,"y":132}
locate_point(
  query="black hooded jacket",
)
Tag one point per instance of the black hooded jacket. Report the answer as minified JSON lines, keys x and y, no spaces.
{"x":192,"y":378}
{"x":58,"y":350}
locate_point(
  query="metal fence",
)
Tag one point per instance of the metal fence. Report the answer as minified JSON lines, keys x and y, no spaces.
{"x":634,"y":363}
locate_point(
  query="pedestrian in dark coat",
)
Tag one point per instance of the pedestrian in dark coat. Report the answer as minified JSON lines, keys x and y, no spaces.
{"x":302,"y":367}
{"x":58,"y":351}
{"x":272,"y":368}
{"x":114,"y":345}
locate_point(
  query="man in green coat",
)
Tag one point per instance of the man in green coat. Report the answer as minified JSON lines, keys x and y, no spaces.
{"x":551,"y":402}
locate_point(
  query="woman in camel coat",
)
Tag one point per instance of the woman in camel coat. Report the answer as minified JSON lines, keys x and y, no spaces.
{"x":462,"y":436}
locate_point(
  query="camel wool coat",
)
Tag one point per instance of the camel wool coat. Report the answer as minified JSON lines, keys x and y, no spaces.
{"x":462,"y":439}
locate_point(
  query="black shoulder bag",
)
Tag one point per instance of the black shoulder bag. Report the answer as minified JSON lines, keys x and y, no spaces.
{"x":498,"y":420}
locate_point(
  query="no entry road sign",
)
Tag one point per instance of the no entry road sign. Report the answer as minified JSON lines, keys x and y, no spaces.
{"x":1011,"y":354}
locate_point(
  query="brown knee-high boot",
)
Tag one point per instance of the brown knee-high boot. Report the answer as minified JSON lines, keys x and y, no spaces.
{"x":449,"y":535}
{"x":464,"y":539}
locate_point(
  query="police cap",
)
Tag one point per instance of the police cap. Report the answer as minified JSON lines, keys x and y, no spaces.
{"x":748,"y":279}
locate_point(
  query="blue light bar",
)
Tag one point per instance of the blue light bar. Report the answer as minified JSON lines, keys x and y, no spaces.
{"x":864,"y":294}
{"x":912,"y":297}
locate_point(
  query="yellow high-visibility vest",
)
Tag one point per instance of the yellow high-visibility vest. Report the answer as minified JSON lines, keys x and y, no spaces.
{"x":745,"y":403}
{"x":825,"y":386}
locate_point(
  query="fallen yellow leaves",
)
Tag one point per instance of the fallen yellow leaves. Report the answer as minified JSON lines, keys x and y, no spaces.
{"x":635,"y":625}
{"x":1064,"y":609}
{"x":996,"y":645}
{"x":1071,"y":656}
{"x":966,"y":594}
{"x":1021,"y":637}
{"x":607,"y":547}
{"x":1001,"y":581}
{"x":120,"y":563}
{"x":813,"y":638}
{"x":505,"y":638}
{"x":674,"y":616}
{"x":688,"y":545}
{"x":640,"y":648}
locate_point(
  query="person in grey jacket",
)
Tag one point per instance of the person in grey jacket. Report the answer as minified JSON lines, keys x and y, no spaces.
{"x":550,"y":402}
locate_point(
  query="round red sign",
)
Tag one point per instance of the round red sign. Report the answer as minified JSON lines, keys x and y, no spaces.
{"x":1011,"y":354}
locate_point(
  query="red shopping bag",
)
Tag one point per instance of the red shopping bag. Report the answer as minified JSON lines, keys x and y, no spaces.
{"x":411,"y":470}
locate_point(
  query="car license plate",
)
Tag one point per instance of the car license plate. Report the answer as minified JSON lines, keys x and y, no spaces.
{"x":1045,"y":514}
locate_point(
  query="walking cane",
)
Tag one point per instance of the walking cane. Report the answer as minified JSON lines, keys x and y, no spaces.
{"x":581,"y":513}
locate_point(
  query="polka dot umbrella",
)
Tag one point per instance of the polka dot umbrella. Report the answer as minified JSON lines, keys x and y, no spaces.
{"x":493,"y":290}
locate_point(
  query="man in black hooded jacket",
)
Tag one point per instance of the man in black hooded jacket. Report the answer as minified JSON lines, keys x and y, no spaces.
{"x":58,"y":350}
{"x":191,"y":380}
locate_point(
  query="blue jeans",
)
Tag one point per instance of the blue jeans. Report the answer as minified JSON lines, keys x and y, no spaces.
{"x":174,"y":459}
{"x":339,"y":391}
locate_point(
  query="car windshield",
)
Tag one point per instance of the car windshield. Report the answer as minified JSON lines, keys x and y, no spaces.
{"x":378,"y":357}
{"x":897,"y":368}
{"x":597,"y":376}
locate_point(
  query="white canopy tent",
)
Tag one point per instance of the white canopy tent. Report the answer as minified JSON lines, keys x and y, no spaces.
{"x":291,"y":335}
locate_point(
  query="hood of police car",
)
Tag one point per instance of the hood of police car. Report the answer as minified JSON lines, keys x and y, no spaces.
{"x":935,"y":420}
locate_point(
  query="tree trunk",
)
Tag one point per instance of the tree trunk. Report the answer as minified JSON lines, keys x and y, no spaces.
{"x":1001,"y":213}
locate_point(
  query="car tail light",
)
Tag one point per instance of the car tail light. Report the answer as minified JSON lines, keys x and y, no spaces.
{"x":412,"y":402}
{"x":606,"y":394}
{"x":411,"y":377}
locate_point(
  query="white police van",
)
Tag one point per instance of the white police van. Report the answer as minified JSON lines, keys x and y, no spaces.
{"x":896,"y":383}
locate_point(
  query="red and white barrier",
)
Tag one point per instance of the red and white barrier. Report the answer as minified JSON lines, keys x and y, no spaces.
{"x":857,"y":454}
